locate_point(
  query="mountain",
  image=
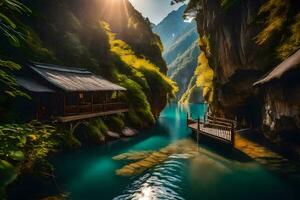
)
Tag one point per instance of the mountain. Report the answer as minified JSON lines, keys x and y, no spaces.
{"x":172,"y":27}
{"x":181,"y":50}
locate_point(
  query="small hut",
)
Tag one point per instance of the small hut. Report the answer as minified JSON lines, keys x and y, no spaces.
{"x":66,"y":94}
{"x":281,"y":90}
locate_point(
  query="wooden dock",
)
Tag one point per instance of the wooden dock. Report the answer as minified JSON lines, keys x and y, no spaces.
{"x":219,"y":129}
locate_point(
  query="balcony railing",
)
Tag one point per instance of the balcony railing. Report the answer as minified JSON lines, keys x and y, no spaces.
{"x":93,"y":108}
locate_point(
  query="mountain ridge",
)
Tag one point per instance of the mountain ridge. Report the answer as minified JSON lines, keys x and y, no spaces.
{"x":181,"y":50}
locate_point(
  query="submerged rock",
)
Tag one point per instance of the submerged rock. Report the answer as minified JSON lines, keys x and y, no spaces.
{"x":113,"y":134}
{"x":129,"y":132}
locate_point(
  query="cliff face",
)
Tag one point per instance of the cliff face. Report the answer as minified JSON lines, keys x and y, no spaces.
{"x":238,"y":60}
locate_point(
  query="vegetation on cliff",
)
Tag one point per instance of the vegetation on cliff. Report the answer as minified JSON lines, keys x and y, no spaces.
{"x":282,"y":22}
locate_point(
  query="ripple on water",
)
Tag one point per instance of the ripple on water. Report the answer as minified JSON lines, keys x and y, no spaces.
{"x":160,"y":182}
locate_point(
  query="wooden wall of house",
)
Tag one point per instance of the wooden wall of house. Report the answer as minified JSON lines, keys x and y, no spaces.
{"x":281,"y":110}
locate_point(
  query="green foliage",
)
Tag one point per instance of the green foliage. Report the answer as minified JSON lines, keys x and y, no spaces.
{"x":23,"y":143}
{"x":276,"y":11}
{"x":205,"y":76}
{"x":115,"y":122}
{"x":8,"y":173}
{"x":26,"y":141}
{"x":8,"y":24}
{"x":140,"y":77}
{"x":97,"y":130}
{"x":192,"y":91}
{"x":9,"y":28}
{"x":140,"y":114}
{"x":281,"y":21}
{"x":7,"y":80}
{"x":144,"y":66}
{"x":291,"y":43}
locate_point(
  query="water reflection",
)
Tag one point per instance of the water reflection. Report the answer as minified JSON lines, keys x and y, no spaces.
{"x":164,"y":163}
{"x":163,"y":174}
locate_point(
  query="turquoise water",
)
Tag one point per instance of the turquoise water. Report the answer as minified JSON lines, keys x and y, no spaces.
{"x":90,"y":174}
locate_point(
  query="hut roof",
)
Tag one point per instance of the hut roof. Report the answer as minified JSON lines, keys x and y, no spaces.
{"x":74,"y":79}
{"x":287,"y":65}
{"x":32,"y":85}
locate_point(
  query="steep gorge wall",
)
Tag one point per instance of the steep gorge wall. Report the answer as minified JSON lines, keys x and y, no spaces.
{"x":237,"y":59}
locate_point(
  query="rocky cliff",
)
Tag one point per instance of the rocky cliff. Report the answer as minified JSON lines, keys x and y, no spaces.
{"x":242,"y":41}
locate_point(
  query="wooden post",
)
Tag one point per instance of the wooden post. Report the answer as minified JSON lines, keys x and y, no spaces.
{"x":232,"y":134}
{"x":78,"y":104}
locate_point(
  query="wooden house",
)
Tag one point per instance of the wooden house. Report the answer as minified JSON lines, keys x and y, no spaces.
{"x":281,"y":97}
{"x":65,"y":94}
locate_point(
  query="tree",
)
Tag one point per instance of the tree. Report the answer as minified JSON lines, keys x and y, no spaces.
{"x":10,"y":30}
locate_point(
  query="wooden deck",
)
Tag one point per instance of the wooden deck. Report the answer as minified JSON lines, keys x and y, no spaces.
{"x":219,"y":129}
{"x":83,"y":112}
{"x":64,"y":119}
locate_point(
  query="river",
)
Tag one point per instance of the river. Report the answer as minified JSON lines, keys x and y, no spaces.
{"x":166,"y":163}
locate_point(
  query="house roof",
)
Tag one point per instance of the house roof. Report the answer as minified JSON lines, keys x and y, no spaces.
{"x":287,"y":65}
{"x":73,"y":79}
{"x":32,"y":85}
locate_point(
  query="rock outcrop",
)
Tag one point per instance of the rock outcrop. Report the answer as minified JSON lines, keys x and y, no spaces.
{"x":238,"y":60}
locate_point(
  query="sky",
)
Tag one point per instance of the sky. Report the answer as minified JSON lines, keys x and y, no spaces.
{"x":155,"y":10}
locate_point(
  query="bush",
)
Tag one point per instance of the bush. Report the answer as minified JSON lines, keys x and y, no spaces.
{"x":115,"y":123}
{"x":97,"y":130}
{"x":22,"y":144}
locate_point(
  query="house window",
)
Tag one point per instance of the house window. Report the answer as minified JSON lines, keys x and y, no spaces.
{"x":81,"y":95}
{"x":85,"y":98}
